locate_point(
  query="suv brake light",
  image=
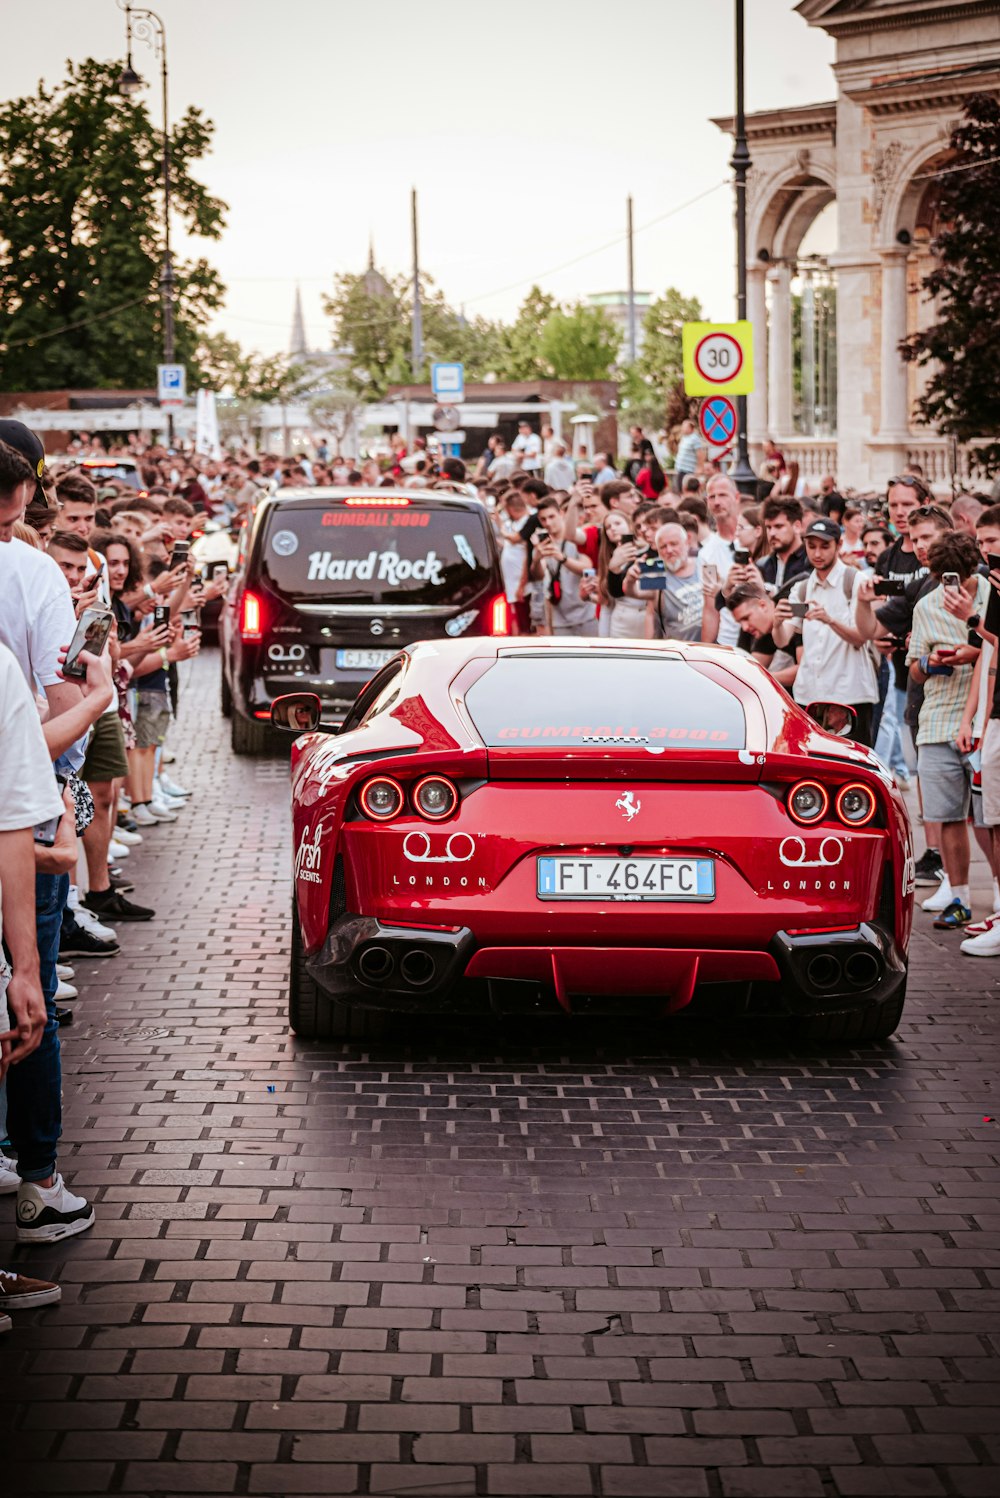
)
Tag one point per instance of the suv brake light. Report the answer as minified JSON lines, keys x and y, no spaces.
{"x":251,"y":629}
{"x":500,"y":615}
{"x":396,"y":502}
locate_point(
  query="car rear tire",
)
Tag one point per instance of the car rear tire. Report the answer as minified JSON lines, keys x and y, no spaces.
{"x":225,"y":695}
{"x":856,"y":1027}
{"x":315,"y":1015}
{"x":248,"y":737}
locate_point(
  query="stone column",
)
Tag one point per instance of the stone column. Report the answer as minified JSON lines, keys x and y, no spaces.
{"x":894,"y":414}
{"x":779,"y":354}
{"x":757,"y":315}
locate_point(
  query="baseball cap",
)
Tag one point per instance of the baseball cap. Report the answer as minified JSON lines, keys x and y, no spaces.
{"x":18,"y":436}
{"x":826,"y":529}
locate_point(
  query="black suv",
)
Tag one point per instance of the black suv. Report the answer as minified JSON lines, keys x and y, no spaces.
{"x":330,"y":583}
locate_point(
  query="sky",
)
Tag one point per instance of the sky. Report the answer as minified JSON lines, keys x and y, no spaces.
{"x":523,"y":128}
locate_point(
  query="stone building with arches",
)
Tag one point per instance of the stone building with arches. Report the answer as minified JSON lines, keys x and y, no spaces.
{"x":831,"y":388}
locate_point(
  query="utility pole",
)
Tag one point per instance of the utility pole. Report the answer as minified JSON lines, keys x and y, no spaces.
{"x":417,"y":348}
{"x":743,"y":475}
{"x":631,"y":281}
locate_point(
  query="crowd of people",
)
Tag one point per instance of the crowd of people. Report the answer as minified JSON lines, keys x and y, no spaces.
{"x":886,"y":605}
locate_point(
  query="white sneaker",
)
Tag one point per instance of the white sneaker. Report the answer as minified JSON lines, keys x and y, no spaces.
{"x":46,"y":1214}
{"x":167,"y":756}
{"x":171,"y":787}
{"x":9,"y":1178}
{"x":940,"y":899}
{"x":161,"y":811}
{"x":176,"y":803}
{"x":65,"y":972}
{"x":985,"y":945}
{"x":89,"y":922}
{"x":65,"y":991}
{"x":117,"y":851}
{"x":122,"y":835}
{"x":142,"y":816}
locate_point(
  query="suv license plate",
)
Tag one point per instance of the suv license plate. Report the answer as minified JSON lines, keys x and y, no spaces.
{"x":626,"y":879}
{"x":363,"y":660}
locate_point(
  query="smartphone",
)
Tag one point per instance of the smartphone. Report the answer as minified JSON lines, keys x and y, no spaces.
{"x":799,"y":610}
{"x":179,"y":555}
{"x":710,"y":574}
{"x":951,"y":580}
{"x":740,"y":556}
{"x":652,"y":575}
{"x":45,"y":832}
{"x":161,"y":615}
{"x":91,"y":634}
{"x":889,"y":587}
{"x":993,"y":562}
{"x":212,"y":570}
{"x":627,"y":540}
{"x":191,"y":623}
{"x":589,"y":572}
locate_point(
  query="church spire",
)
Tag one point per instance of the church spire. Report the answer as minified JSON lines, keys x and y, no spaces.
{"x":297,"y":342}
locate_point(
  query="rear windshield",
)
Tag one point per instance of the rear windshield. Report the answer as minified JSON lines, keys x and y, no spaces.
{"x":595,"y":700}
{"x":414,"y":554}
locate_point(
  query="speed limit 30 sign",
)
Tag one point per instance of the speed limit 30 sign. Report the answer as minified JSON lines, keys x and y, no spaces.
{"x":718,"y":358}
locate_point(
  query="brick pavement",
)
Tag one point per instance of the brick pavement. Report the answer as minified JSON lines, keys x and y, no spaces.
{"x":484,"y":1259}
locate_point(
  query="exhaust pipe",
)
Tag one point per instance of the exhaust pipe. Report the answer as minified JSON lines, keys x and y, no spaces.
{"x":375,"y":964}
{"x":823,"y":970}
{"x":417,"y":968}
{"x":862,"y":969}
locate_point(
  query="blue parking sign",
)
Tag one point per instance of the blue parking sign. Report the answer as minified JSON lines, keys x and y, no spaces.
{"x":448,"y":383}
{"x":171,"y":384}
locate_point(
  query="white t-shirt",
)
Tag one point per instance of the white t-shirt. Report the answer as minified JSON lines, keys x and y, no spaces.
{"x":28,"y":790}
{"x":720,"y":553}
{"x":36,"y":611}
{"x":560,"y":473}
{"x":531,"y":446}
{"x":831,"y":668}
{"x":512,"y":557}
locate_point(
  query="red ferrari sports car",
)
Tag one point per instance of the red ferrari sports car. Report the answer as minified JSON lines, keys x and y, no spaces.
{"x":605,"y":826}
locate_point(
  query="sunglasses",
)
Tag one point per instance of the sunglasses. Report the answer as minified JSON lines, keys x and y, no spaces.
{"x":909,"y":481}
{"x":930,"y":512}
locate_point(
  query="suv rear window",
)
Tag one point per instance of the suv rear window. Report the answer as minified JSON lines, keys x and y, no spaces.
{"x":415,"y":554}
{"x":593,"y":700}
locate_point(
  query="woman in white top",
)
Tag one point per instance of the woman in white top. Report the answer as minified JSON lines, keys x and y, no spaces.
{"x":621,"y":618}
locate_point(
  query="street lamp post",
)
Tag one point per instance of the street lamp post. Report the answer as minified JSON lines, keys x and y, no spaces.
{"x":743,"y":475}
{"x":148,"y":27}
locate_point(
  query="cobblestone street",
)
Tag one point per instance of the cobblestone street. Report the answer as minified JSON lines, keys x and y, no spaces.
{"x":495,"y":1259}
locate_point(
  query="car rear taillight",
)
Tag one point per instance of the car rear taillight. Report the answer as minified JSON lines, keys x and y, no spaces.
{"x":807,"y":802}
{"x":500,"y":616}
{"x":381,"y":798}
{"x":856,"y":805}
{"x":251,"y":620}
{"x":434,"y":798}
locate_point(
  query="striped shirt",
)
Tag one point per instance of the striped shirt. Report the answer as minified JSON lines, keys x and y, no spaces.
{"x":944,"y":696}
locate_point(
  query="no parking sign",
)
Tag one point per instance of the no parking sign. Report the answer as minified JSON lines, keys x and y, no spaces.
{"x":717,"y":420}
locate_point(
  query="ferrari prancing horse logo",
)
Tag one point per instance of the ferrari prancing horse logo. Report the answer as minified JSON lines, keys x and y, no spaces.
{"x":628,"y":806}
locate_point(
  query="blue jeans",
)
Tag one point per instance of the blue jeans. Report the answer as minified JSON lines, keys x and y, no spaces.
{"x":34,"y":1086}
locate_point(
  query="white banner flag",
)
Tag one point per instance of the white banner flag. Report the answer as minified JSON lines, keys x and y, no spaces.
{"x":206,"y":439}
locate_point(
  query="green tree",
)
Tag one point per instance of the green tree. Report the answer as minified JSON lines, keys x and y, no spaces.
{"x":962,"y":397}
{"x":653,"y":387}
{"x":371,"y":319}
{"x":521,"y":359}
{"x":81,"y":213}
{"x":579,"y":343}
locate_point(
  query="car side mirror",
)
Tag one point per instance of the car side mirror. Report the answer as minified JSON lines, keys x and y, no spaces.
{"x":297,"y":712}
{"x":834,"y":717}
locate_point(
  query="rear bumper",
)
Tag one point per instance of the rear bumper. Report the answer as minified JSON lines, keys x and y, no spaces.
{"x":384,"y":966}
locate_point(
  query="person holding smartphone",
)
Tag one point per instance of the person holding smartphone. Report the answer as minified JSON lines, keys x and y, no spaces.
{"x":940,"y":660}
